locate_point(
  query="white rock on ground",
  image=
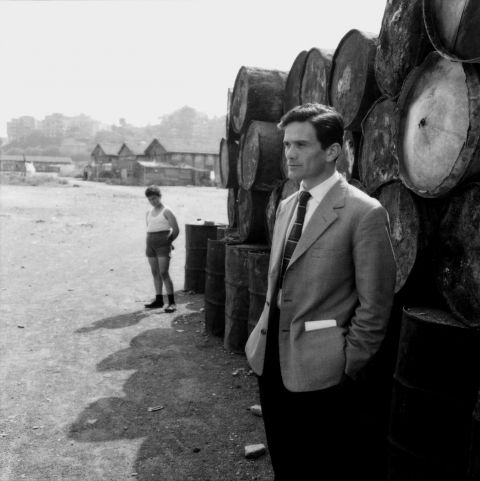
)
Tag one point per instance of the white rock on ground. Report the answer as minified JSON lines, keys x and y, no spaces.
{"x":253,"y":451}
{"x":256,"y":409}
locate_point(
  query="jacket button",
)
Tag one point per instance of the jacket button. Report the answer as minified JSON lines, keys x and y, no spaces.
{"x":263,"y":331}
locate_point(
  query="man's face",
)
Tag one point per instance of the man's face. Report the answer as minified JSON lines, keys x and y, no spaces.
{"x":306,"y":159}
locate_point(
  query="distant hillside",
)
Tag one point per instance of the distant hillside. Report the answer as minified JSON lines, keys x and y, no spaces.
{"x":192,"y":129}
{"x":185,"y":129}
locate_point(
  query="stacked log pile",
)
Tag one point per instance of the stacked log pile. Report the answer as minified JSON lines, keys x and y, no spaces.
{"x":410,"y":97}
{"x":250,"y":168}
{"x":426,"y":180}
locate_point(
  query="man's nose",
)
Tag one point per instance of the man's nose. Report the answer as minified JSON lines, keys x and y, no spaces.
{"x":290,"y":152}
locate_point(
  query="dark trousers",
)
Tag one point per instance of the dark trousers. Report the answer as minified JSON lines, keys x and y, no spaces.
{"x":326,"y":435}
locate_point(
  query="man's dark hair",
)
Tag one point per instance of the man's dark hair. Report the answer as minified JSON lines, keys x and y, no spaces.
{"x":152,"y":190}
{"x":326,"y":121}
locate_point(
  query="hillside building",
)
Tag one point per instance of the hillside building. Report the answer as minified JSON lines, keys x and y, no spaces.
{"x":157,"y":162}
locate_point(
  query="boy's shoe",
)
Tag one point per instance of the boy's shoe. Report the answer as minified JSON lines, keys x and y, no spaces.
{"x":156,"y":304}
{"x":171,"y":308}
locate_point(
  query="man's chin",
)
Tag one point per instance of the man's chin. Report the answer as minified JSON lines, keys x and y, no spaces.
{"x":295,"y":176}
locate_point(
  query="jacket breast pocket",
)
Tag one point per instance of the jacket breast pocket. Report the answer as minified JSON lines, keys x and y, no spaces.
{"x":329,"y":263}
{"x":332,"y":252}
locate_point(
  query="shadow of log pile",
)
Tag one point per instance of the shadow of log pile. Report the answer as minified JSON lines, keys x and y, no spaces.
{"x":180,"y":401}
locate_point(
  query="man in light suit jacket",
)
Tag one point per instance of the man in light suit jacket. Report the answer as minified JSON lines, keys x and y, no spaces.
{"x":326,"y":312}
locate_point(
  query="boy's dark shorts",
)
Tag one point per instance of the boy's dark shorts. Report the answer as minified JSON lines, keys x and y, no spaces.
{"x":158,"y":244}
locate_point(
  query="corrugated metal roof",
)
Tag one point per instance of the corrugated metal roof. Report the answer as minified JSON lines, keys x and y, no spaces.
{"x":135,"y":148}
{"x":175,"y":146}
{"x":109,"y":149}
{"x":153,"y":143}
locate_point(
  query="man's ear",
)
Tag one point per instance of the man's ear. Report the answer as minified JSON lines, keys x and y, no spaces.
{"x":333,"y":152}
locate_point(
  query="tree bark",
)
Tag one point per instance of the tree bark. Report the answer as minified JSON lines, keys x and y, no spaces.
{"x":282,"y":191}
{"x":347,"y":162}
{"x":413,"y":223}
{"x":453,"y":28}
{"x":316,"y":76}
{"x":439,"y":126}
{"x":261,"y":156}
{"x":353,"y":88}
{"x":258,"y":94}
{"x":356,"y":183}
{"x":231,"y":135}
{"x":251,"y":215}
{"x":232,"y":208}
{"x":457,"y":253}
{"x":228,"y":158}
{"x":378,"y":160}
{"x":402,"y":44}
{"x":293,"y":84}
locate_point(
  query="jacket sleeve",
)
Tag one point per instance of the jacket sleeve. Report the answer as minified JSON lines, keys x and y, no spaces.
{"x":375,"y":274}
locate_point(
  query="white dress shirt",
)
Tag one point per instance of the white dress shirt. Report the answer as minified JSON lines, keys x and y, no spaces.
{"x":318,"y":193}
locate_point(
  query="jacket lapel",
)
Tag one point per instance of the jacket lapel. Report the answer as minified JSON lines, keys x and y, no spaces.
{"x":280,"y":233}
{"x":324,"y":215}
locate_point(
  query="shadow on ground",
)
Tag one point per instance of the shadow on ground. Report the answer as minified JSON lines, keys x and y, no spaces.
{"x":131,"y":318}
{"x":116,"y":322}
{"x":188,"y":398}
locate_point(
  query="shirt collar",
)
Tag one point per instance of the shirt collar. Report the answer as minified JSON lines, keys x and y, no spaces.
{"x":319,"y":191}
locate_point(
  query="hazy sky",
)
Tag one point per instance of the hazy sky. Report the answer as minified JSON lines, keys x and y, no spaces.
{"x":142,"y":59}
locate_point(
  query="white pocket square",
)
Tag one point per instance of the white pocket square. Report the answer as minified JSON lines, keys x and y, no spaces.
{"x":323,"y":324}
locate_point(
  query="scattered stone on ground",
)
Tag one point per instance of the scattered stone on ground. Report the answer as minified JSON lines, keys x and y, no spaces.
{"x":253,"y":451}
{"x":256,"y":409}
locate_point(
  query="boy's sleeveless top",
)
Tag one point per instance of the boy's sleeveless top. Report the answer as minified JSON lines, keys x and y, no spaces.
{"x":158,"y":222}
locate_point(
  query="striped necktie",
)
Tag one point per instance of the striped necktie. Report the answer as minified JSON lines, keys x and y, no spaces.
{"x":295,"y":232}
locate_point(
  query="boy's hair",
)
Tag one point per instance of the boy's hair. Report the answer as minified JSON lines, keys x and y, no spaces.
{"x":152,"y":190}
{"x":326,"y":121}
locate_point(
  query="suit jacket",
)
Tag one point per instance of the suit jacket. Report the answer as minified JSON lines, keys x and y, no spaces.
{"x":343,"y":271}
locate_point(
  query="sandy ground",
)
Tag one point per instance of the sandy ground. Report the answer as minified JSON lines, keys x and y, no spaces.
{"x":81,"y":361}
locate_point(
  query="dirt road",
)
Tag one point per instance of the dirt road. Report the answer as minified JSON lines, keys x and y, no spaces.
{"x":81,"y":361}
